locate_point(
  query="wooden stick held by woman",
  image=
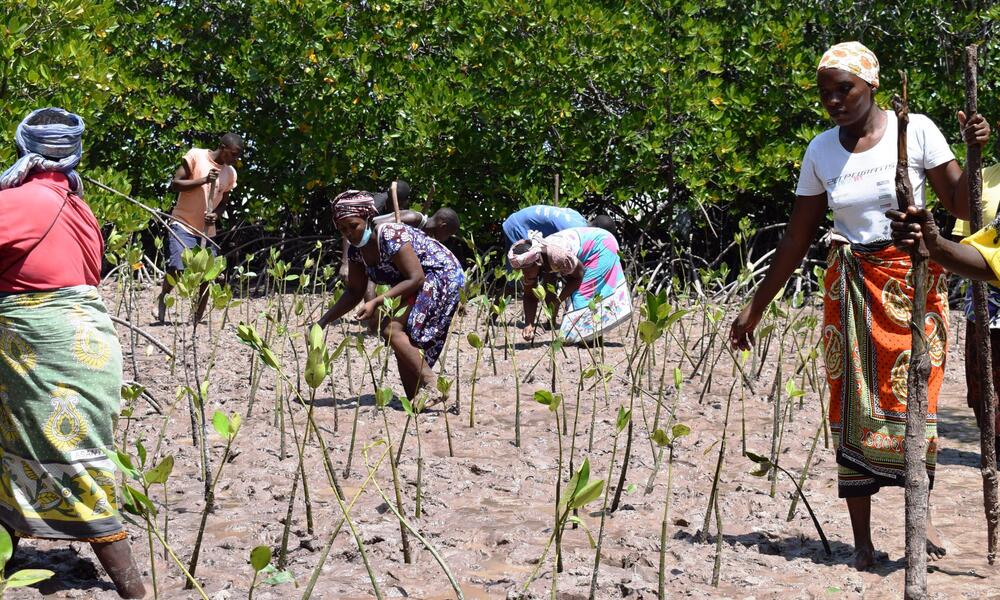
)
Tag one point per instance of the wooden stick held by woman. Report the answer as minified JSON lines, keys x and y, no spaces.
{"x":915,"y":449}
{"x":984,"y":366}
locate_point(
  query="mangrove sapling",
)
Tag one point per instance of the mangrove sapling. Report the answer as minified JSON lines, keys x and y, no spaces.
{"x":648,"y":333}
{"x":21,"y":578}
{"x":138,"y":503}
{"x":146,"y":479}
{"x":318,"y":365}
{"x":791,"y":391}
{"x":383,"y":396}
{"x":713,"y":496}
{"x":580,"y":491}
{"x":227,"y":427}
{"x":552,"y":401}
{"x":500,"y":311}
{"x":200,"y":269}
{"x":476,"y":342}
{"x":805,"y":472}
{"x":413,"y":410}
{"x":765,"y":466}
{"x":249,"y":336}
{"x":260,"y":560}
{"x":443,"y":387}
{"x":622,"y":421}
{"x":678,"y":384}
{"x":359,"y":345}
{"x":405,"y":523}
{"x":665,"y":440}
{"x":336,"y":530}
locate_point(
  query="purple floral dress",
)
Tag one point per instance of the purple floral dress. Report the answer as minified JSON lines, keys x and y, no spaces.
{"x":435,"y":303}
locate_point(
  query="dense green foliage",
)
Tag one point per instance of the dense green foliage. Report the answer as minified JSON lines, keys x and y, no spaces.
{"x":662,"y":112}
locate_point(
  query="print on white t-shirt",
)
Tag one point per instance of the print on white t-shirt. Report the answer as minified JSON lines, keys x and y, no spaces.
{"x":861,"y":186}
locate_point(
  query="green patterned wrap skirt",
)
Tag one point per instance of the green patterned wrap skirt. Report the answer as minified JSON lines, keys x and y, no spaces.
{"x":60,"y":390}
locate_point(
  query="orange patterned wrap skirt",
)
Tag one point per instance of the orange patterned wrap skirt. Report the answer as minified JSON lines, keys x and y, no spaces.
{"x":868,"y":298}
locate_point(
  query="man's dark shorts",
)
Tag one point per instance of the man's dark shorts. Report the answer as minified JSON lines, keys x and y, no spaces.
{"x":180,"y":239}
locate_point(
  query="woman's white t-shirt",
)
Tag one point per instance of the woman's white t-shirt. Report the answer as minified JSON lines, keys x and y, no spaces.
{"x":861,"y":187}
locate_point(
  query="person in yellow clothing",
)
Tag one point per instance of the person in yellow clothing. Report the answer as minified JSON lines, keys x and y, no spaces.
{"x":976,"y":257}
{"x":973,"y":395}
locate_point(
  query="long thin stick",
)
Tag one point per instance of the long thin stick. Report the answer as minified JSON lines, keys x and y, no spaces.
{"x":209,"y":201}
{"x":914,"y":457}
{"x":159,"y":215}
{"x":395,"y":203}
{"x":987,"y":429}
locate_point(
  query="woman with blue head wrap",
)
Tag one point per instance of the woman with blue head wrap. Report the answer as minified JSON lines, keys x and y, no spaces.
{"x":48,"y":139}
{"x":60,"y":360}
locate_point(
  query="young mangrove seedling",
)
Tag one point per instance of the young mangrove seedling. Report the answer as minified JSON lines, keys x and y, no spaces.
{"x":383,"y":396}
{"x":413,"y":410}
{"x":665,"y":440}
{"x":476,"y":342}
{"x":621,"y":422}
{"x":764,"y":467}
{"x":580,"y":491}
{"x":227,"y":426}
{"x":260,"y":560}
{"x":443,"y":388}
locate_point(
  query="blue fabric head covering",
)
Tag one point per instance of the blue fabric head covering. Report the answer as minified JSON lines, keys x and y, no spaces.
{"x":53,"y":147}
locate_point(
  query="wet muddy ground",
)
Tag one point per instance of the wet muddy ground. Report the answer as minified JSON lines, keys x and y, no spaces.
{"x":489,"y":508}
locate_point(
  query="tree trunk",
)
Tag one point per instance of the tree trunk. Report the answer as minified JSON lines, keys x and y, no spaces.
{"x":987,"y":432}
{"x":915,"y":448}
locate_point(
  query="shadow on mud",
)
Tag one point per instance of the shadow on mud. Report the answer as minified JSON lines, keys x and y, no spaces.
{"x":73,"y":571}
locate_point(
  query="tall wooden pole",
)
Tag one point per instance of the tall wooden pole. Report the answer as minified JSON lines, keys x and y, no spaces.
{"x":395,"y":203}
{"x":984,"y":367}
{"x":915,"y":447}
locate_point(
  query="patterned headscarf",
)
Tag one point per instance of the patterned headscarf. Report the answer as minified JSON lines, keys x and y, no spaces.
{"x":852,"y":57}
{"x":533,"y":256}
{"x":54,"y":147}
{"x":561,"y":260}
{"x":354,"y":203}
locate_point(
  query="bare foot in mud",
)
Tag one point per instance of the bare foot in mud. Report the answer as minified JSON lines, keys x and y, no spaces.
{"x":935,"y":543}
{"x":866,"y":558}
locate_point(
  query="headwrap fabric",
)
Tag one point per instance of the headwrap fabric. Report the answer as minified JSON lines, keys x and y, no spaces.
{"x":53,"y":147}
{"x":561,"y":260}
{"x":354,"y":203}
{"x":852,"y":57}
{"x":530,"y":258}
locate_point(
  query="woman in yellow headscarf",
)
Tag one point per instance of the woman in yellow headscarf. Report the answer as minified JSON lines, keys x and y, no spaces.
{"x":849,"y":170}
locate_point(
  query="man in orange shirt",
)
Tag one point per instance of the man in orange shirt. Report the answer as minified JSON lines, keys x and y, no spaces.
{"x":195,"y":214}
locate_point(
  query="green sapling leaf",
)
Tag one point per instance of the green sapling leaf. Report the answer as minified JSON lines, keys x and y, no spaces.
{"x":543,"y":397}
{"x":260,"y":557}
{"x":161,"y":472}
{"x":220,"y":422}
{"x":26,"y":577}
{"x":6,"y":547}
{"x":589,"y":493}
{"x":383,"y":397}
{"x":679,"y":430}
{"x":407,"y":407}
{"x":624,"y":416}
{"x":660,"y":438}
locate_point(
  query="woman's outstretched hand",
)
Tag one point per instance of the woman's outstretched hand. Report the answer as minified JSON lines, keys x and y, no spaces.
{"x":366,"y":311}
{"x":975,"y":130}
{"x":912,"y":227}
{"x":741,"y":331}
